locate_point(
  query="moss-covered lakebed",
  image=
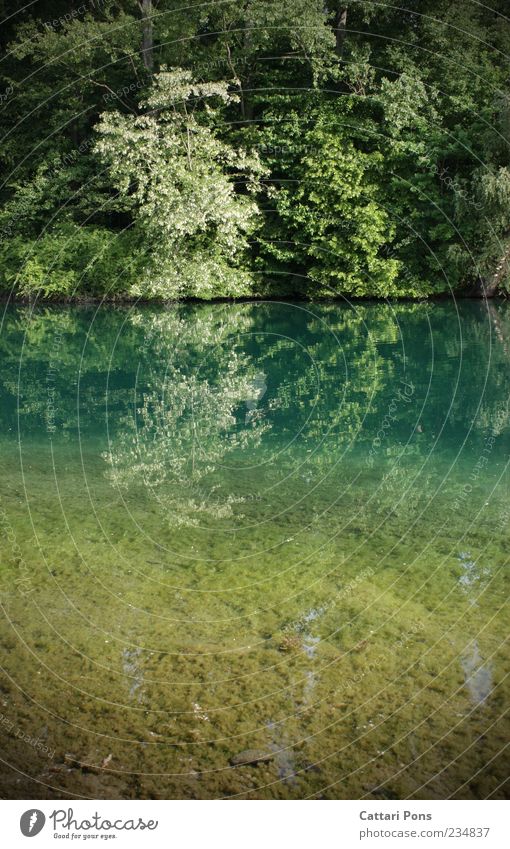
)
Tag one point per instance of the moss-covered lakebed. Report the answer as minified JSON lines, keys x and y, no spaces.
{"x":271,"y":529}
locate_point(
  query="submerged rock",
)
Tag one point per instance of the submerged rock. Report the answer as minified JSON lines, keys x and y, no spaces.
{"x":251,"y":757}
{"x":288,"y":642}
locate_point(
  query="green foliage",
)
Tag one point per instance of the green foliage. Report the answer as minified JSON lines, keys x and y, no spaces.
{"x":379,"y":141}
{"x":330,"y":207}
{"x":177,"y":181}
{"x":69,"y":261}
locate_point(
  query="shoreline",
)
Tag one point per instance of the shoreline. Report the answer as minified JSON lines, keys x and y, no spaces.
{"x":296,"y":297}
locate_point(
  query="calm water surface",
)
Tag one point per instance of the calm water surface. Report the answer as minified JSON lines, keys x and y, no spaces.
{"x":274,"y":527}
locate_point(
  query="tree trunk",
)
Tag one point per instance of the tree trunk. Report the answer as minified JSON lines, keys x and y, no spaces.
{"x":147,"y":34}
{"x":502,"y":270}
{"x":490,"y":286}
{"x":246,"y":105}
{"x":339,"y":28}
{"x":247,"y":41}
{"x":498,"y":327}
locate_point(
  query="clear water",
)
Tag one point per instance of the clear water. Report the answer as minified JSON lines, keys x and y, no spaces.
{"x":267,"y":526}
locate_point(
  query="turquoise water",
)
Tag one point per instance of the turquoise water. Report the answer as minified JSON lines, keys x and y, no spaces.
{"x":267,"y":526}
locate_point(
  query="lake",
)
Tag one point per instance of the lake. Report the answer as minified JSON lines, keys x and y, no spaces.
{"x":273,"y":527}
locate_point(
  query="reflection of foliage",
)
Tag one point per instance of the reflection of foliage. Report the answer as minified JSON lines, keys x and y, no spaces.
{"x":229,"y":387}
{"x":185,"y":424}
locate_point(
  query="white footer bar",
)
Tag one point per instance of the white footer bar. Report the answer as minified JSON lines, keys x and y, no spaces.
{"x":256,"y":824}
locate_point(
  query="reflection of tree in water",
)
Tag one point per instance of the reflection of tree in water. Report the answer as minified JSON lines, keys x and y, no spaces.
{"x":251,"y":382}
{"x":215,"y":384}
{"x":186,"y":421}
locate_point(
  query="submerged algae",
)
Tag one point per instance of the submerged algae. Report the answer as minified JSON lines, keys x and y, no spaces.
{"x":173,"y":534}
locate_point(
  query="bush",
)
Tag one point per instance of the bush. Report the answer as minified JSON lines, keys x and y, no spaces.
{"x":69,"y":261}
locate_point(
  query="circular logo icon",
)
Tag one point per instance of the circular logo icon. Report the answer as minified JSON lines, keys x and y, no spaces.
{"x":32,"y":822}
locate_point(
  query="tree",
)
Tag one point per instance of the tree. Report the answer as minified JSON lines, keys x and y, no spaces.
{"x":177,"y":181}
{"x":332,"y":224}
{"x":383,"y":134}
{"x":147,"y":10}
